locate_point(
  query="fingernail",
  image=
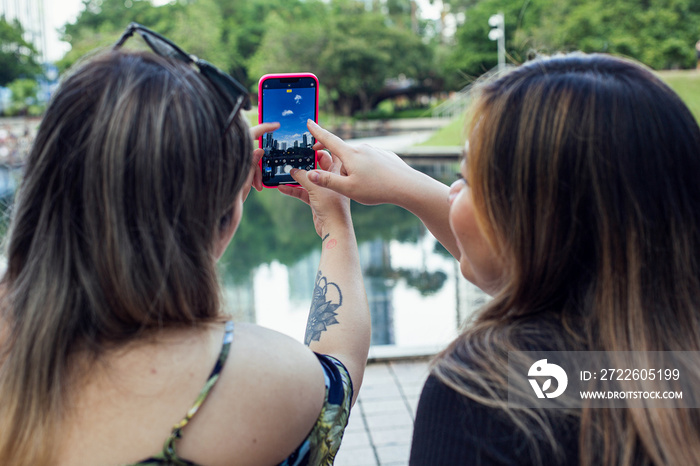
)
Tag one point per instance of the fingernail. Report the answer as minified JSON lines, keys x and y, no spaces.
{"x":314,"y":176}
{"x":293,"y":171}
{"x":310,"y":121}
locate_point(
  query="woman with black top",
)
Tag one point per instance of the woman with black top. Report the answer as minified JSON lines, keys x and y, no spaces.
{"x":579,"y":212}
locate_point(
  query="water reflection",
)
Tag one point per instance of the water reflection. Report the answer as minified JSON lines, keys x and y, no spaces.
{"x":417,"y":296}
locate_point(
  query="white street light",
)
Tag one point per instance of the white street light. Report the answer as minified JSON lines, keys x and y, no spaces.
{"x":498,"y":33}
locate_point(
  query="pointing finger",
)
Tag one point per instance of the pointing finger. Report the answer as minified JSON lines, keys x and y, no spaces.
{"x":259,"y":130}
{"x":299,"y":193}
{"x":328,"y":139}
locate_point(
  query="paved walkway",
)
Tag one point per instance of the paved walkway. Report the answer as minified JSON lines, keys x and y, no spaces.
{"x":381,"y":422}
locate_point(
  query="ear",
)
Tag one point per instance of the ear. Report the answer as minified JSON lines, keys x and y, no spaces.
{"x":227,"y":227}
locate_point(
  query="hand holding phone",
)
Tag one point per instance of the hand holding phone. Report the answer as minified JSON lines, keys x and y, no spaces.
{"x":290,"y":99}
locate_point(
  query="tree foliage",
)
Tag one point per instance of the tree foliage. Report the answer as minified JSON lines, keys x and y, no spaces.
{"x":363,"y":51}
{"x":279,"y":228}
{"x":18,"y":58}
{"x":659,"y":33}
{"x":353,"y":51}
{"x":355,"y":46}
{"x":24,"y":97}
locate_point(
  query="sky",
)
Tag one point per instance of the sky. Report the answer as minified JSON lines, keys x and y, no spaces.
{"x":56,"y":14}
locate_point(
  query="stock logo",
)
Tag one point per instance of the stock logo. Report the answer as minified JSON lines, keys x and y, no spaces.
{"x":543,"y":369}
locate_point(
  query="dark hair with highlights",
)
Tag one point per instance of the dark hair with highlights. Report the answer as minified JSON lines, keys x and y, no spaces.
{"x":125,"y":188}
{"x":584,"y":169}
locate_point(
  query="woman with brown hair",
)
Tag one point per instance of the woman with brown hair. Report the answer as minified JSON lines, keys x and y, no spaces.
{"x":578,"y":212}
{"x":114,"y":346}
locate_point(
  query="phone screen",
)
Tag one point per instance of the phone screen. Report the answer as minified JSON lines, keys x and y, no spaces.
{"x":290,"y":100}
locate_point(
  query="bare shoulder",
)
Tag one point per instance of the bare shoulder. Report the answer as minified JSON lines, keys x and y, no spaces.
{"x":265,"y":341}
{"x":267,"y":399}
{"x":274,"y":363}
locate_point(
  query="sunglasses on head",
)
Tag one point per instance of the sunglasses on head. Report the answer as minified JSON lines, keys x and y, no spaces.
{"x":220,"y":80}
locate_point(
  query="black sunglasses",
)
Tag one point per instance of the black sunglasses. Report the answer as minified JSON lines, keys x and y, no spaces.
{"x":221,"y":81}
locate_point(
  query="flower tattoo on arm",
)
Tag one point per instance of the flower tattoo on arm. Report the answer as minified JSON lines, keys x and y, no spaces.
{"x":327,"y":298}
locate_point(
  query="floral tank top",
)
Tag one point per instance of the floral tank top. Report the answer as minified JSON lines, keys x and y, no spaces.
{"x":318,"y":448}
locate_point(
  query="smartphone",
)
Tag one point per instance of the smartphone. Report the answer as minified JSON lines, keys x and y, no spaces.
{"x":289,"y":99}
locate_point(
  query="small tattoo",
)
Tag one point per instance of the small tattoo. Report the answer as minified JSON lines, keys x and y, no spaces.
{"x":325,"y":237}
{"x":331,"y":244}
{"x":327,"y":298}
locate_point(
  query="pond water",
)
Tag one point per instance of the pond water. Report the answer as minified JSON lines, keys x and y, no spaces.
{"x":418,"y":298}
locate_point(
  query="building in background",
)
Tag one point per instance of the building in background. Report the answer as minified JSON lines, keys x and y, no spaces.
{"x":30,"y":14}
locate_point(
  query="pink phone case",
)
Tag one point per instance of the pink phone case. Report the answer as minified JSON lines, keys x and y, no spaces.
{"x":260,"y":115}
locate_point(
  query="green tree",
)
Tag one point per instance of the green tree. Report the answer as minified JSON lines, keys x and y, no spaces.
{"x":18,"y":58}
{"x":474,"y":53}
{"x":352,"y":51}
{"x":358,"y":56}
{"x":24,"y":97}
{"x":198,"y":27}
{"x":246,"y":23}
{"x":290,"y":47}
{"x":101,"y":22}
{"x":659,"y":33}
{"x":279,"y":228}
{"x":224,"y":32}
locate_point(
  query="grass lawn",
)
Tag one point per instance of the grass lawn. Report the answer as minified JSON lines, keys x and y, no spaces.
{"x":686,"y":83}
{"x":450,"y":135}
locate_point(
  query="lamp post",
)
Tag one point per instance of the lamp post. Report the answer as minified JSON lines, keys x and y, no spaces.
{"x":498,"y":34}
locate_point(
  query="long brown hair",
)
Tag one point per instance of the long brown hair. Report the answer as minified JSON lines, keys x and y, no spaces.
{"x":124,"y":191}
{"x":584,"y":174}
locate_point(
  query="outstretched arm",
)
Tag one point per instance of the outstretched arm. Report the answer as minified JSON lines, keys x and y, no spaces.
{"x":375,"y":176}
{"x":339,"y":321}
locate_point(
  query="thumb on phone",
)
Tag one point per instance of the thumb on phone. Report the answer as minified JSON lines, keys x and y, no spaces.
{"x":326,"y":179}
{"x":328,"y":207}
